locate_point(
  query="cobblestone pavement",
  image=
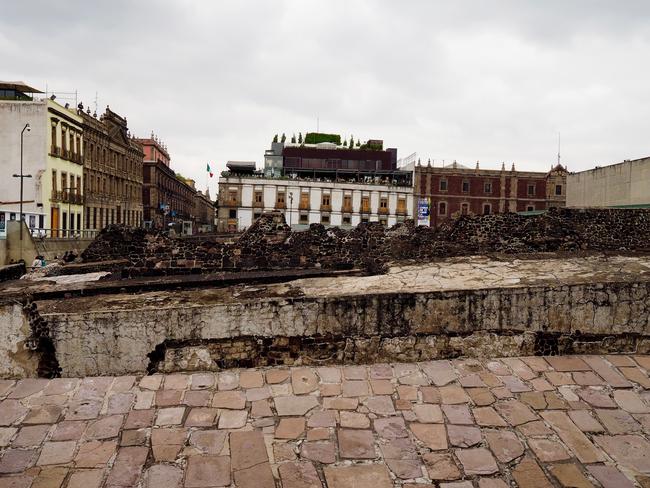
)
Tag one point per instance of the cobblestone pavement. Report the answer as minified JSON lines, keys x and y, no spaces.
{"x":574,"y":421}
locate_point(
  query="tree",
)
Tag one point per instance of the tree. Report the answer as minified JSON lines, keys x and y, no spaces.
{"x":358,"y":143}
{"x":345,"y":143}
{"x":275,"y":138}
{"x":299,"y":137}
{"x":284,"y":138}
{"x":293,"y":139}
{"x":351,"y":142}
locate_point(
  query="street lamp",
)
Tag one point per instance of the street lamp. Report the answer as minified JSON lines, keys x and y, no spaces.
{"x":22,"y":176}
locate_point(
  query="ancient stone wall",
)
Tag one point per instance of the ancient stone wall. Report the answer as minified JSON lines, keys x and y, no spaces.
{"x":269,"y":243}
{"x":209,"y":334}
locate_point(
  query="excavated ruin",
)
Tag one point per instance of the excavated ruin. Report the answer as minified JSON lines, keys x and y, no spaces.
{"x":568,"y":281}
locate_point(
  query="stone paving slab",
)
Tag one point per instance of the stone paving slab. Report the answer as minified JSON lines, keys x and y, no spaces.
{"x":563,"y":421}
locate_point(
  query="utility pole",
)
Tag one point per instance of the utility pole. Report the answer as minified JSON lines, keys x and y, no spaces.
{"x":22,"y":177}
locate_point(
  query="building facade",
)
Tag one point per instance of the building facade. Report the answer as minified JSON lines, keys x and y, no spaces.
{"x":204,"y":211}
{"x":112,"y":172}
{"x":443,"y":192}
{"x":325,"y":183}
{"x":166,"y":198}
{"x":52,"y":155}
{"x":244,"y":197}
{"x":625,"y":184}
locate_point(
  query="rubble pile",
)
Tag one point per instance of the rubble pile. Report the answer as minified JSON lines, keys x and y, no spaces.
{"x":270,"y":244}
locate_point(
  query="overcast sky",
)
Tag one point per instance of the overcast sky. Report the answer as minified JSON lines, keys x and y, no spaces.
{"x":465,"y":80}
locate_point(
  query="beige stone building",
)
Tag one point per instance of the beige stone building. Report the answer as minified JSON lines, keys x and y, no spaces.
{"x":625,"y":184}
{"x":112,"y":172}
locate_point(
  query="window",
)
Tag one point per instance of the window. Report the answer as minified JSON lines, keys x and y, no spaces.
{"x":53,"y":180}
{"x":347,"y":220}
{"x":78,"y":221}
{"x":383,"y":221}
{"x":53,"y":137}
{"x":325,"y":219}
{"x":558,"y":190}
{"x":487,"y":209}
{"x":443,"y":185}
{"x":365,"y":204}
{"x":465,"y":186}
{"x":232,"y":197}
{"x":258,"y":197}
{"x":487,"y":187}
{"x":531,"y":189}
{"x":401,"y":205}
{"x":304,"y":199}
{"x":383,"y":203}
{"x":64,"y":221}
{"x":325,"y":200}
{"x":64,"y":182}
{"x":530,"y":208}
{"x":442,"y":208}
{"x":303,"y":219}
{"x":347,"y":203}
{"x":464,"y":208}
{"x":232,"y":213}
{"x":257,"y":215}
{"x":364,"y":220}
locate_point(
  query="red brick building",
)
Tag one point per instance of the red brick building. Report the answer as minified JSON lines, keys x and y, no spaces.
{"x":166,"y":198}
{"x":456,"y":189}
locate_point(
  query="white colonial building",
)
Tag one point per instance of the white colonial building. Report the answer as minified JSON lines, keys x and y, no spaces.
{"x":245,"y":195}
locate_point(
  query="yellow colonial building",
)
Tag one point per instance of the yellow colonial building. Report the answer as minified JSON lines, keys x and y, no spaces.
{"x":51,"y":137}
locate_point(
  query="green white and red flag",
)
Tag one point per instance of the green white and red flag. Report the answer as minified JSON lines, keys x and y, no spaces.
{"x":209,"y":170}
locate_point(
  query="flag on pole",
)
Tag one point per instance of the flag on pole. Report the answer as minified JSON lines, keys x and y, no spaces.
{"x":209,"y":170}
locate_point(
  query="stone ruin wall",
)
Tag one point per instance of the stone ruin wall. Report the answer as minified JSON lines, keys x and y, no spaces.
{"x":269,"y":243}
{"x":528,"y":320}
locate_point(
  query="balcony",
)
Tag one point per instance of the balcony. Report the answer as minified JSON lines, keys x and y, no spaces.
{"x":73,"y":198}
{"x":365,"y":210}
{"x":325,"y":208}
{"x":303,"y":206}
{"x":346,"y":209}
{"x":401,"y":211}
{"x":280,"y":205}
{"x":383,"y":210}
{"x":55,"y":151}
{"x":258,"y":204}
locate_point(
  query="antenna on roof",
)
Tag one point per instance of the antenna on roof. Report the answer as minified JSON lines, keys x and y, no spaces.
{"x":558,"y":148}
{"x":96,"y":98}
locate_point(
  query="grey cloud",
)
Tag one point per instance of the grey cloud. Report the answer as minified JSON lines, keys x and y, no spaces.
{"x":468,"y":80}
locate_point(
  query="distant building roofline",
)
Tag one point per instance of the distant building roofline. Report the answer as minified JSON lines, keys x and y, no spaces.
{"x":241,"y":165}
{"x":19,"y":86}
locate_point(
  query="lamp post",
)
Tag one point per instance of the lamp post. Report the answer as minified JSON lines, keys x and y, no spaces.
{"x":22,"y":177}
